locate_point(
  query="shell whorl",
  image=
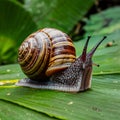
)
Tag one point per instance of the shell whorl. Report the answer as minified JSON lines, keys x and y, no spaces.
{"x":46,"y":52}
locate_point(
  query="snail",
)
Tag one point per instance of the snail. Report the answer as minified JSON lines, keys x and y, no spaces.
{"x":49,"y":60}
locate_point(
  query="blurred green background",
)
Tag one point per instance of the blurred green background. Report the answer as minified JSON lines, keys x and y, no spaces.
{"x":19,"y":18}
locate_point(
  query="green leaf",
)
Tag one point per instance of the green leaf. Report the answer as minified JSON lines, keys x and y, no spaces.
{"x":61,"y":14}
{"x":96,"y":103}
{"x":15,"y":25}
{"x":9,"y":72}
{"x":10,"y":111}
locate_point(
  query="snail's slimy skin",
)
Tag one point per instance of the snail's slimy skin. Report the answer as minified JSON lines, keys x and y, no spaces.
{"x":71,"y":79}
{"x":47,"y":57}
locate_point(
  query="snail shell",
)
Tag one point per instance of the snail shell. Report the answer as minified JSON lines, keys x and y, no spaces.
{"x":46,"y":52}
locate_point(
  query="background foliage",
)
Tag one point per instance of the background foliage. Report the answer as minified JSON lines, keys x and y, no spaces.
{"x":20,"y":18}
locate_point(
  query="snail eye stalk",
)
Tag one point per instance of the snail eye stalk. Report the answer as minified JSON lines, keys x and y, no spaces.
{"x":91,"y":53}
{"x":84,"y":53}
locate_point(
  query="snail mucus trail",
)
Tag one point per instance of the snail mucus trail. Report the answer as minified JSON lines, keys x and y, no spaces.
{"x":47,"y":57}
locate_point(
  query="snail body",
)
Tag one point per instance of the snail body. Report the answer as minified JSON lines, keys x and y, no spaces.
{"x":48,"y":58}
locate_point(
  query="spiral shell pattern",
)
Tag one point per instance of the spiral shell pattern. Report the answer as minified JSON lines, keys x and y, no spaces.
{"x":45,"y":52}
